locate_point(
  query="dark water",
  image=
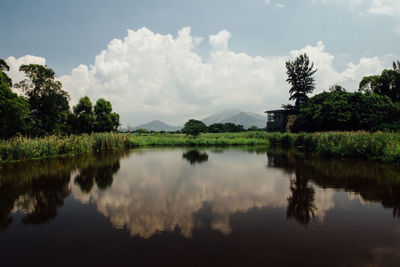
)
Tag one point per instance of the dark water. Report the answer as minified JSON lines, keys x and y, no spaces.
{"x":207,"y":207}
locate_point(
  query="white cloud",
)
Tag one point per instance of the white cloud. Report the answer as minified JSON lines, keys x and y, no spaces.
{"x":327,"y":75}
{"x":267,"y":2}
{"x":14,"y":64}
{"x":279,"y":5}
{"x":150,"y":76}
{"x":220,"y":40}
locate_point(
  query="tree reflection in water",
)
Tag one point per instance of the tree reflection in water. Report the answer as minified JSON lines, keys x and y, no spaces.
{"x":301,"y":201}
{"x":39,"y":188}
{"x":38,"y":198}
{"x":194,"y":156}
{"x":101,"y":172}
{"x":373,"y":181}
{"x":46,"y":194}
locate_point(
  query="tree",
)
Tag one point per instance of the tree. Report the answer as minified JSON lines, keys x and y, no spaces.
{"x":396,"y":66}
{"x":300,"y":76}
{"x":48,"y":102}
{"x":254,"y":128}
{"x":105,"y":119}
{"x":194,"y":128}
{"x":233,"y":128}
{"x":194,"y":156}
{"x":3,"y":68}
{"x":14,"y":109}
{"x":388,"y":83}
{"x":84,"y":116}
{"x":346,"y":111}
{"x":337,"y":87}
{"x":216,"y":128}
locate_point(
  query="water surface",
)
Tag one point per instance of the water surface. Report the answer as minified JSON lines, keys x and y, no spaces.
{"x":200,"y":207}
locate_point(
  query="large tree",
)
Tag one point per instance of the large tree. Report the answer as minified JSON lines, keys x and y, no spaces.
{"x":84,"y":116}
{"x":300,"y":76}
{"x":194,"y":127}
{"x":48,"y":102}
{"x":106,"y":120}
{"x":388,"y":83}
{"x":14,"y":109}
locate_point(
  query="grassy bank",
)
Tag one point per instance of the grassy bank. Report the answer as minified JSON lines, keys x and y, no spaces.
{"x":21,"y":148}
{"x":379,"y":146}
{"x":208,"y":139}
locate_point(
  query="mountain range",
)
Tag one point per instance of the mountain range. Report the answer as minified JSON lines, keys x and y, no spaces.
{"x":247,"y":119}
{"x":158,"y":126}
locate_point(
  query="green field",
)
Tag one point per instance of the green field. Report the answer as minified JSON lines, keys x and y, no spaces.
{"x":380,"y":146}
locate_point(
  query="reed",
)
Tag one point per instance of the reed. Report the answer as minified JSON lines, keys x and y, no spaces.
{"x":22,"y":148}
{"x":381,"y":146}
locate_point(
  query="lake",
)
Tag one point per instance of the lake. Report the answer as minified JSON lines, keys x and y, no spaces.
{"x":200,"y":207}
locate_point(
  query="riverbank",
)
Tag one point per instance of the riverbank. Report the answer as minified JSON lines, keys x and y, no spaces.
{"x":379,"y":146}
{"x":21,"y":148}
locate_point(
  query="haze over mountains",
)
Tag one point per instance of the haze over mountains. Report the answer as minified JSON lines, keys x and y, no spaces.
{"x":158,"y":126}
{"x":247,"y":119}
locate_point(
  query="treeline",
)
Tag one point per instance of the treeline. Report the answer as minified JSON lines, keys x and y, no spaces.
{"x":198,"y":127}
{"x":43,"y":108}
{"x":348,"y":111}
{"x":374,"y":107}
{"x":195,"y":127}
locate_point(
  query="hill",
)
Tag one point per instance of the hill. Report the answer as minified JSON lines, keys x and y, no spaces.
{"x":247,"y":119}
{"x":158,"y":126}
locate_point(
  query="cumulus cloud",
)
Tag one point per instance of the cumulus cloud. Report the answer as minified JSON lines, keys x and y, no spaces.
{"x":267,"y":2}
{"x":327,"y":75}
{"x":14,"y":64}
{"x":220,"y":40}
{"x":279,"y":5}
{"x":151,"y":76}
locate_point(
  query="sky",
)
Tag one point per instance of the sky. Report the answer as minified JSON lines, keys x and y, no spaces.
{"x":175,"y":60}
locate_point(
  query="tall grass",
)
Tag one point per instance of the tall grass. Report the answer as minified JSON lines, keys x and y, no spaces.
{"x":21,"y":148}
{"x":208,"y":139}
{"x":380,"y":146}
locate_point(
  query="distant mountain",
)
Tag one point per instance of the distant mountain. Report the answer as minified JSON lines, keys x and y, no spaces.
{"x":158,"y":126}
{"x":247,"y":119}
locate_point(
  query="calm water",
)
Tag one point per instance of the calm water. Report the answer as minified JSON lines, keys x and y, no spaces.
{"x":225,"y":207}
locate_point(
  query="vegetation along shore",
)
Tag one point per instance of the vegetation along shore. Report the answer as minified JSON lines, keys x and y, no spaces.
{"x":381,"y":146}
{"x":39,"y":123}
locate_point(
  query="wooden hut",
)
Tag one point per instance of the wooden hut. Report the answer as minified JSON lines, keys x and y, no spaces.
{"x":277,"y":120}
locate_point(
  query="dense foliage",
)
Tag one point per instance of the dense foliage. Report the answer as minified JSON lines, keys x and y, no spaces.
{"x":83,"y":119}
{"x":376,"y":106}
{"x":226,"y":127}
{"x":14,"y":109}
{"x":44,"y":108}
{"x":48,"y":102}
{"x":344,"y":111}
{"x":106,"y":120}
{"x":194,"y":128}
{"x":388,"y":83}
